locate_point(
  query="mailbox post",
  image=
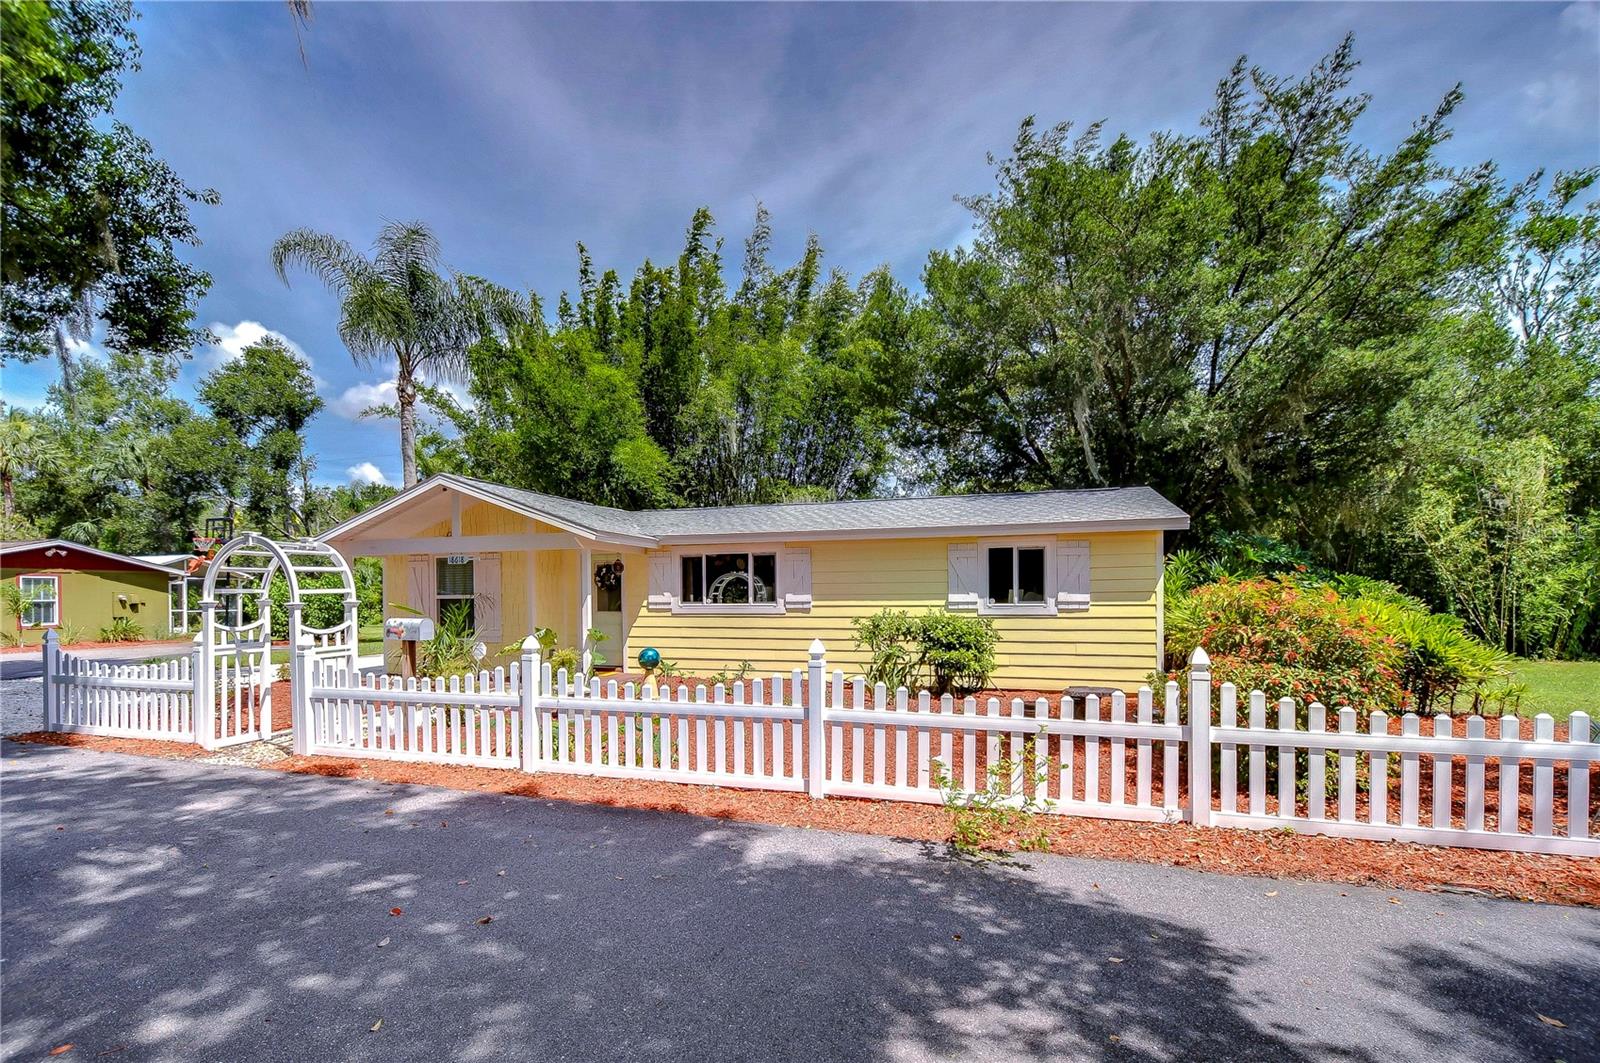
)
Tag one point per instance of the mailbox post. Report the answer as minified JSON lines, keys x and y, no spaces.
{"x":408,"y":631}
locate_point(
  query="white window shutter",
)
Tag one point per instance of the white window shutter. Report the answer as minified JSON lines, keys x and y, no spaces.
{"x":660,"y":597}
{"x":1072,"y":575}
{"x":420,"y":586}
{"x":796,"y":580}
{"x":963,"y":593}
{"x":486,"y":595}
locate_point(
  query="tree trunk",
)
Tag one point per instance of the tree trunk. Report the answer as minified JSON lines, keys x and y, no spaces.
{"x":10,"y":495}
{"x":406,"y":398}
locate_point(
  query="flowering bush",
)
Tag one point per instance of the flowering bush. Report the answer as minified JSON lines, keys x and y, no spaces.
{"x":1275,"y":635}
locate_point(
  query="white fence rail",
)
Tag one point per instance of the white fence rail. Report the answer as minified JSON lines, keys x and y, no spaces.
{"x":1119,"y":757}
{"x":86,"y":696}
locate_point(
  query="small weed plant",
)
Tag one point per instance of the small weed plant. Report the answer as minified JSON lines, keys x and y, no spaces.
{"x":1007,"y":803}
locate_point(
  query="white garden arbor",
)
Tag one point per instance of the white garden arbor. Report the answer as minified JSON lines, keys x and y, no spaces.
{"x":233,"y":687}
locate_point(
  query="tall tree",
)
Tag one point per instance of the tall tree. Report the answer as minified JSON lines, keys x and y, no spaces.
{"x":1222,"y":315}
{"x":265,"y":397}
{"x":93,"y":218}
{"x":401,"y":302}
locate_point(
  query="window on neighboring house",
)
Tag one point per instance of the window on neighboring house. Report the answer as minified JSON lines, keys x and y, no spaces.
{"x":453,"y":588}
{"x":1016,"y":575}
{"x":729,"y":579}
{"x":41,"y":600}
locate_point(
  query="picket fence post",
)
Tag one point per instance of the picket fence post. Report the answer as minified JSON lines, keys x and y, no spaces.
{"x":300,"y":692}
{"x":532,"y":740}
{"x":1200,"y":738}
{"x":205,"y":699}
{"x":815,"y":741}
{"x":52,"y":664}
{"x":196,"y":657}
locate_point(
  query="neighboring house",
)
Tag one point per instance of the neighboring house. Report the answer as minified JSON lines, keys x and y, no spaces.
{"x":183,"y":592}
{"x":66,"y":584}
{"x":1072,"y":579}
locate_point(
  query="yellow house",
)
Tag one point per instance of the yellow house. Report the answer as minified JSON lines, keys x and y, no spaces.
{"x":1072,"y":579}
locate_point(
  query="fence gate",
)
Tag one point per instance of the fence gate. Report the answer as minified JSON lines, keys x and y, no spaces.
{"x":233,"y":688}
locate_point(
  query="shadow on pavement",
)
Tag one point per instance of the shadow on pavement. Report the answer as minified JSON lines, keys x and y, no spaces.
{"x":190,"y":912}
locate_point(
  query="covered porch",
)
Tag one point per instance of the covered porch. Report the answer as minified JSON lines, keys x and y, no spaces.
{"x":505,"y":568}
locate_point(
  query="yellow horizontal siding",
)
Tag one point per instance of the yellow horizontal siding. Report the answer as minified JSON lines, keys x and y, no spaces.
{"x":1112,"y":643}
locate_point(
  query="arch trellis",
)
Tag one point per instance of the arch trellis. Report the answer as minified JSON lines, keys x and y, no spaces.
{"x":235,"y":682}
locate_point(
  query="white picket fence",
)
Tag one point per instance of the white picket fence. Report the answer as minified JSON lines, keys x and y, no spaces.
{"x":120,"y":700}
{"x":473,"y":719}
{"x":812,"y":731}
{"x":749,"y":736}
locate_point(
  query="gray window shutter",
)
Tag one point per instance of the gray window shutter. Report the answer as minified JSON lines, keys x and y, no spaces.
{"x":963,"y":563}
{"x":486,"y":597}
{"x":660,"y":597}
{"x":1072,"y":575}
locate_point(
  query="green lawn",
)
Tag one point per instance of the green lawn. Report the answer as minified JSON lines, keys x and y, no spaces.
{"x":1560,"y":687}
{"x":369,"y":639}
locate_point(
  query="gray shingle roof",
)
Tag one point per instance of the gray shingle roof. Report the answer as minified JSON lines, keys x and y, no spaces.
{"x":1099,"y":508}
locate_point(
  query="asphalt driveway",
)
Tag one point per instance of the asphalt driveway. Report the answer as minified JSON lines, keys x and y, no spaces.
{"x":169,"y":910}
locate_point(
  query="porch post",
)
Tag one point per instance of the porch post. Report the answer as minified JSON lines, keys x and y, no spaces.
{"x":585,"y":608}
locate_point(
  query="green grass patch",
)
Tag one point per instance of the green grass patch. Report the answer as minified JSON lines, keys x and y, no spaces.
{"x":1559,"y":688}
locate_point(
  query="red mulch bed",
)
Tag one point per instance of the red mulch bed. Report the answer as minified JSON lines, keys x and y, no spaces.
{"x":1526,"y":876}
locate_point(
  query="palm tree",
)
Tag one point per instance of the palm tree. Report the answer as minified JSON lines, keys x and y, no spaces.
{"x":401,"y":302}
{"x":23,"y":449}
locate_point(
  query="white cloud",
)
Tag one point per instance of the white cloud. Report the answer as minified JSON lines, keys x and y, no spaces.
{"x":366,"y":473}
{"x":358,"y":397}
{"x":231,"y":340}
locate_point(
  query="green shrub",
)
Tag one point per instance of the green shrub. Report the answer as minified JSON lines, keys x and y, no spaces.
{"x":1274,"y":635}
{"x":948,"y":652}
{"x":891,"y":637}
{"x":122,"y":629}
{"x":1441,"y":659}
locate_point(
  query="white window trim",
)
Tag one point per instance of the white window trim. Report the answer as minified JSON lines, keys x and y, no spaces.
{"x":56,"y":582}
{"x":776,"y":607}
{"x":988,"y":607}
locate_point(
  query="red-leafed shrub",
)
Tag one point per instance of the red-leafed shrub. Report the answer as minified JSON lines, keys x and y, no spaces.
{"x":1274,"y":635}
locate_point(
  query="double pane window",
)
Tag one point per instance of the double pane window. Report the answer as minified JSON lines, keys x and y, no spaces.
{"x":41,"y":606}
{"x":1016,"y":575}
{"x":453,"y":588}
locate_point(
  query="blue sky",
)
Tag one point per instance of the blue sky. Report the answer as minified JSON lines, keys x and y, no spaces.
{"x":516,"y":130}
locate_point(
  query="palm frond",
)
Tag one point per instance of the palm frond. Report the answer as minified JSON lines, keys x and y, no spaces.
{"x":404,"y":248}
{"x":331,"y":260}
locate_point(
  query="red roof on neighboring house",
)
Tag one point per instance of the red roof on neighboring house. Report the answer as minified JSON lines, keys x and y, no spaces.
{"x":61,"y":553}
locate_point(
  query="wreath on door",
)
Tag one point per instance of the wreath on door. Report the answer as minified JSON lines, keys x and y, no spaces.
{"x":608,"y":575}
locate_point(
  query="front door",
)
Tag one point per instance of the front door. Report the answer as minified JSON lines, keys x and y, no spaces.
{"x":607,"y":576}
